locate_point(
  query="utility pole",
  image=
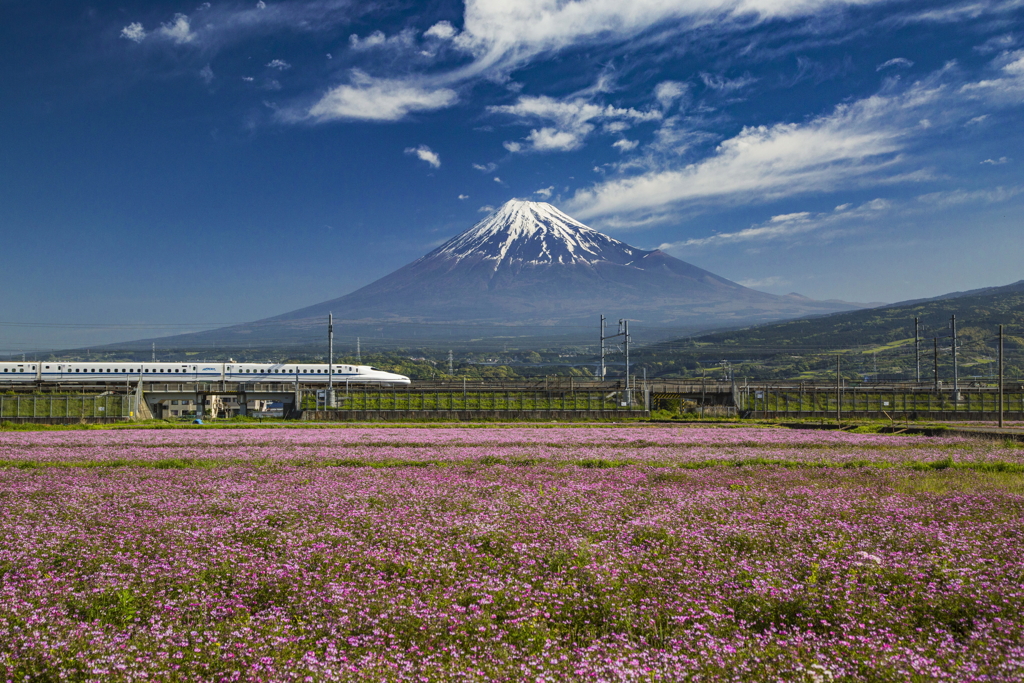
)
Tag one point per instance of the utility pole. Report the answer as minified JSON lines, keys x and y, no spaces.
{"x":154,"y":352}
{"x":331,"y":403}
{"x":451,"y":370}
{"x":359,"y":353}
{"x":602,"y":349}
{"x":935,"y":371}
{"x":1000,"y":376}
{"x":956,"y":370}
{"x":917,"y":348}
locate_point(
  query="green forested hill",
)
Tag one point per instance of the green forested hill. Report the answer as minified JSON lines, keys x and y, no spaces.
{"x":876,"y":342}
{"x":979,"y":314}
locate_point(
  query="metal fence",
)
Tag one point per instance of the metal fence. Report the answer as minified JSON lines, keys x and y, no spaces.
{"x":65,"y":406}
{"x":416,"y":399}
{"x":769,"y":401}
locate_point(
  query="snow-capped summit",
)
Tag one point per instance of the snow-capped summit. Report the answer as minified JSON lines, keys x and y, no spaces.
{"x":521,"y":232}
{"x":529,"y":264}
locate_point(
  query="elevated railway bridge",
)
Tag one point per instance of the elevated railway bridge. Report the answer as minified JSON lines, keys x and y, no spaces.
{"x":550,"y":397}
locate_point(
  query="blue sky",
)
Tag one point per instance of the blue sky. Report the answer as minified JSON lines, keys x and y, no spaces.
{"x":179,"y":164}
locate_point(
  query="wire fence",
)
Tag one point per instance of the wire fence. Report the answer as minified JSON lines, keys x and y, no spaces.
{"x":376,"y":399}
{"x":770,"y":400}
{"x":69,"y":406}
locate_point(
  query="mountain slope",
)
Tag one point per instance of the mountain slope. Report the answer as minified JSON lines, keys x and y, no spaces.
{"x":530,"y":263}
{"x":979,"y":312}
{"x":527,"y":269}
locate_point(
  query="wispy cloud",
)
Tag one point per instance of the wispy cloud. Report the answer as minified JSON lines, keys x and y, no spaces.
{"x":134,"y":32}
{"x":668,"y":92}
{"x":957,"y":197}
{"x":898,"y":62}
{"x":442,"y":30}
{"x":178,"y":30}
{"x":765,"y":162}
{"x":715,"y":82}
{"x":279,"y":64}
{"x":788,"y":225}
{"x":996,"y":162}
{"x":378,"y":99}
{"x":426,"y":154}
{"x":574,"y":119}
{"x":545,"y":192}
{"x":401,"y":40}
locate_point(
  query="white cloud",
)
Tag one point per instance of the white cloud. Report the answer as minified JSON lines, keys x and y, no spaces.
{"x":899,"y":62}
{"x":625,"y":145}
{"x":463,"y":196}
{"x":553,"y":140}
{"x":996,"y":162}
{"x":248,"y":79}
{"x":502,"y":31}
{"x":574,"y":120}
{"x":726,"y":84}
{"x":668,"y":92}
{"x":377,"y":39}
{"x":857,"y":143}
{"x":426,"y":154}
{"x":179,"y":30}
{"x":997,"y":44}
{"x":545,"y":192}
{"x":379,"y":100}
{"x":134,"y":32}
{"x":442,"y":30}
{"x":498,"y":180}
{"x":957,"y":197}
{"x":485,"y":168}
{"x":486,"y":208}
{"x":261,"y":5}
{"x":206,"y":73}
{"x":512,"y":146}
{"x":279,"y":64}
{"x":788,"y":225}
{"x":1009,"y":83}
{"x":976,"y":120}
{"x":970,"y":9}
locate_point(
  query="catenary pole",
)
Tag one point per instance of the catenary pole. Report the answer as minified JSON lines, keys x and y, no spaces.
{"x":602,"y":348}
{"x":839,"y":402}
{"x":1000,"y":376}
{"x":935,"y":371}
{"x":956,"y":370}
{"x":330,"y":361}
{"x":917,"y":347}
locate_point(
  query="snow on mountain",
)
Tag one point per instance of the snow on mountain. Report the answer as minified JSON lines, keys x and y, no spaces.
{"x":530,"y":267}
{"x":534,"y":233}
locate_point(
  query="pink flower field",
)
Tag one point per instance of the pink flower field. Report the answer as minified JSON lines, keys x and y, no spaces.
{"x":509,"y":554}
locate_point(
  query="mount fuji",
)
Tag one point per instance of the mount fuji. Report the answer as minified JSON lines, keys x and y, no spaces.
{"x":530,"y":263}
{"x":531,"y":267}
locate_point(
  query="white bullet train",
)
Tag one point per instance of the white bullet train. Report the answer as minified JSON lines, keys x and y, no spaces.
{"x":133,"y":371}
